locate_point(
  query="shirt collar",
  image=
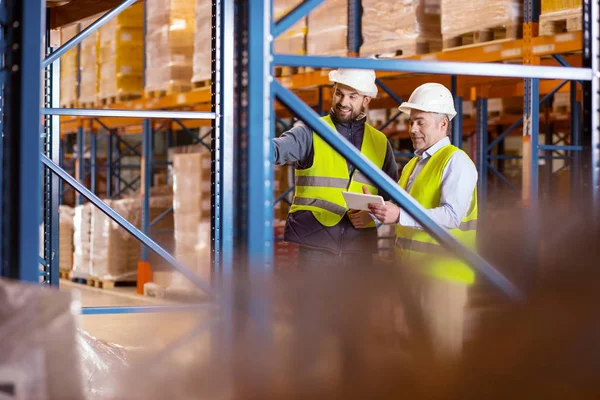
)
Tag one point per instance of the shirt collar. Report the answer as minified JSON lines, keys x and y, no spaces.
{"x":433,"y":149}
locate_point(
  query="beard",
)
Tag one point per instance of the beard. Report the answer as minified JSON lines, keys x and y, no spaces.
{"x":346,"y":114}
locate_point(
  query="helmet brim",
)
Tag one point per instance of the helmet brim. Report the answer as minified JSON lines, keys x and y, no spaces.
{"x":406,"y":107}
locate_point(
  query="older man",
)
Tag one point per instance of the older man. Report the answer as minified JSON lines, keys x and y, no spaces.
{"x":442,"y":178}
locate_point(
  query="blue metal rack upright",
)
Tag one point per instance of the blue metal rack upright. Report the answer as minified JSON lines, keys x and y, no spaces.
{"x":243,"y":91}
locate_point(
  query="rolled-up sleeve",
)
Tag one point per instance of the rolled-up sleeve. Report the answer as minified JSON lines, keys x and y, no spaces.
{"x":458,"y":186}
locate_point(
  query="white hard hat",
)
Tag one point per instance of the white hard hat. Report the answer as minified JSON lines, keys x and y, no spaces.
{"x":363,"y":80}
{"x":430,"y":97}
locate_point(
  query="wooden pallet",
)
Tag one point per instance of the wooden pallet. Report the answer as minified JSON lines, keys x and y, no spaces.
{"x":174,"y":88}
{"x":505,"y":32}
{"x":88,"y":104}
{"x":108,"y":283}
{"x":119,"y":98}
{"x":286,"y":71}
{"x":422,"y":46}
{"x":70,"y":104}
{"x":65,"y":274}
{"x":560,"y":21}
{"x":202,"y":85}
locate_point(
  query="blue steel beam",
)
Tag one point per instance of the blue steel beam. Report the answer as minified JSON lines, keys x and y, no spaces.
{"x":128,"y":226}
{"x":192,"y":134}
{"x":457,"y":122}
{"x":516,"y":124}
{"x":80,"y":160}
{"x":283,"y":124}
{"x":389,"y":91}
{"x":222,"y":135}
{"x":104,"y":112}
{"x":555,"y":148}
{"x":436,"y":67}
{"x":86,"y":32}
{"x":132,"y":149}
{"x":21,"y":139}
{"x":283,"y":195}
{"x":591,"y":58}
{"x":354,"y":27}
{"x":109,"y":163}
{"x":260,"y":132}
{"x":320,"y":100}
{"x":287,"y":21}
{"x":389,"y":121}
{"x":161,"y":216}
{"x":482,"y":153}
{"x":144,"y":309}
{"x":128,"y":185}
{"x":564,"y":63}
{"x":93,"y":162}
{"x":147,"y":162}
{"x":385,"y":183}
{"x":531,"y":130}
{"x":502,"y":177}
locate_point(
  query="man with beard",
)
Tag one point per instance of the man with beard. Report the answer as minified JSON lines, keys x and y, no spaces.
{"x":327,"y":232}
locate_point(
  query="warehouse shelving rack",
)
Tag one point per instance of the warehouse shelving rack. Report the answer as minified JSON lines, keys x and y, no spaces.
{"x":243,"y":123}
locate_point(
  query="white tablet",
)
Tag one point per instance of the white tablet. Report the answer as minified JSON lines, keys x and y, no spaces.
{"x":360,"y":201}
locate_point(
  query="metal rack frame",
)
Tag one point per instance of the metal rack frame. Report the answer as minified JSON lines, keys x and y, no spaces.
{"x":242,"y":169}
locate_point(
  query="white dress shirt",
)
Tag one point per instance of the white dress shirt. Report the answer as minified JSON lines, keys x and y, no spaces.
{"x":458,"y":182}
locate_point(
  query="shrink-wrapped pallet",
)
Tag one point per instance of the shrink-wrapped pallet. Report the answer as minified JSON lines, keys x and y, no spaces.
{"x":394,"y":28}
{"x":191,"y":211}
{"x":503,"y":19}
{"x":38,"y":330}
{"x":81,"y":240}
{"x":170,"y":28}
{"x":69,"y":68}
{"x":328,"y":29}
{"x":292,"y":41}
{"x":202,"y":43}
{"x":112,"y":247}
{"x":121,"y":54}
{"x":114,"y":251}
{"x":88,"y":65}
{"x":65,"y":240}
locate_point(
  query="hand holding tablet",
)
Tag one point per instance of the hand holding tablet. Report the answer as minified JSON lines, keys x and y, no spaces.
{"x":359,"y":201}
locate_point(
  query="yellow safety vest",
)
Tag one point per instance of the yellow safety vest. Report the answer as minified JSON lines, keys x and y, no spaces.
{"x":319,"y":188}
{"x":414,"y":243}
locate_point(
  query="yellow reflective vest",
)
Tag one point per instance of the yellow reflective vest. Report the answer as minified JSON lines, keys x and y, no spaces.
{"x":415,"y":243}
{"x":319,"y":188}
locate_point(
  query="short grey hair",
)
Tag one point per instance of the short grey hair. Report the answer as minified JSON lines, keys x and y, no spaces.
{"x":440,"y":117}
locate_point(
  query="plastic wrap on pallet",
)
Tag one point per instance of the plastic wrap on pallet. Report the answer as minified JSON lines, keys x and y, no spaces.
{"x":114,"y":252}
{"x":170,"y":28}
{"x":292,"y":41}
{"x":81,"y":240}
{"x":457,"y":16}
{"x":328,"y":29}
{"x":406,"y":27}
{"x":37,"y":327}
{"x":121,"y":53}
{"x":103,"y":366}
{"x":65,"y":241}
{"x":191,"y":211}
{"x":202,"y":41}
{"x":69,"y":68}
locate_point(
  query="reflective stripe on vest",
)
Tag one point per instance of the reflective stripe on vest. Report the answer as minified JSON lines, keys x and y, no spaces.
{"x":319,"y":188}
{"x":417,"y":242}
